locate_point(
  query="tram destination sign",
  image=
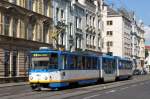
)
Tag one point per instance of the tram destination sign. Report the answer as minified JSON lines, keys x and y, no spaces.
{"x":40,"y":55}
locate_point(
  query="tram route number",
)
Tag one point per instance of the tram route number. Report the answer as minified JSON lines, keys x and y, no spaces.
{"x":40,"y":55}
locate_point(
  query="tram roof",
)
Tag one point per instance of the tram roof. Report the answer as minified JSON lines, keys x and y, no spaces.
{"x":107,"y":56}
{"x":64,"y":52}
{"x":124,"y":59}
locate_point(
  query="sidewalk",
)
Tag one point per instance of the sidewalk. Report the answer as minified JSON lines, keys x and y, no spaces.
{"x":13,"y":84}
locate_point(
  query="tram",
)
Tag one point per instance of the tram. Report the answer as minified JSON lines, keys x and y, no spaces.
{"x":56,"y":69}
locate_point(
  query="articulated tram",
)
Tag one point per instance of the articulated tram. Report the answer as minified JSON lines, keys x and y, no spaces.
{"x":56,"y":69}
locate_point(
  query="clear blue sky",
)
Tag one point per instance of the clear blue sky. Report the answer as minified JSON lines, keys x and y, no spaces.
{"x":141,"y":8}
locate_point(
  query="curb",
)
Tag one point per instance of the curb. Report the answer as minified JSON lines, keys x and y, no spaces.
{"x":13,"y":84}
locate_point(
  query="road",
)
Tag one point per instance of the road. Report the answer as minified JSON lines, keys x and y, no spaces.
{"x":138,"y":87}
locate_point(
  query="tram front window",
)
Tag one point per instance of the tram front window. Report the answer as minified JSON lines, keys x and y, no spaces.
{"x":40,"y":64}
{"x":45,"y":62}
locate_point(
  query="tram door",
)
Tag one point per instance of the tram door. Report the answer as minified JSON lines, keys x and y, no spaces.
{"x":109,"y":69}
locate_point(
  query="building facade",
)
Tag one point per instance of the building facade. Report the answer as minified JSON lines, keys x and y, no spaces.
{"x":138,"y":50}
{"x":82,"y":21}
{"x":123,"y":35}
{"x":25,"y":25}
{"x":147,"y":60}
{"x":117,"y":32}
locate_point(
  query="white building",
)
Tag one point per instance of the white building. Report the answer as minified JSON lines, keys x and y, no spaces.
{"x":147,"y":60}
{"x":117,"y":32}
{"x":62,"y":17}
{"x":82,"y":21}
{"x":138,"y":50}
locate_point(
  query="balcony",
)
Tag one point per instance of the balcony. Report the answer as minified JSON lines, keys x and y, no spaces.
{"x":79,"y":30}
{"x":93,"y":30}
{"x":87,"y":27}
{"x":90,"y":3}
{"x":70,"y":39}
{"x":60,"y":24}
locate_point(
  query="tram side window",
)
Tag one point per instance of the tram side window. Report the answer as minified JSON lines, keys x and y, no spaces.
{"x":128,"y":65}
{"x":53,"y":61}
{"x":79,"y":63}
{"x":94,"y":63}
{"x":70,"y":62}
{"x":120,"y":65}
{"x":64,"y":62}
{"x":83,"y":63}
{"x":108,"y":66}
{"x":123,"y":64}
{"x":105,"y":65}
{"x":88,"y":60}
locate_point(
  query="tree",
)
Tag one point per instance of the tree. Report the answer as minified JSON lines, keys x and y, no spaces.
{"x":146,"y":53}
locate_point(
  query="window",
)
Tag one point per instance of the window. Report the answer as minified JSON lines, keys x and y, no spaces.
{"x":45,"y":33}
{"x":93,"y":41}
{"x":62,"y":14}
{"x":6,"y":24}
{"x":76,"y":62}
{"x":93,"y":21}
{"x":46,"y":7}
{"x":86,"y":39}
{"x":109,"y":43}
{"x":109,"y":23}
{"x":90,"y":21}
{"x":71,"y":28}
{"x":80,"y":23}
{"x":45,"y":62}
{"x":30,"y":4}
{"x":13,"y":1}
{"x":7,"y":62}
{"x":99,"y":24}
{"x":86,"y":19}
{"x":108,"y":66}
{"x":57,"y":13}
{"x":109,"y":33}
{"x":76,"y":22}
{"x":15,"y":24}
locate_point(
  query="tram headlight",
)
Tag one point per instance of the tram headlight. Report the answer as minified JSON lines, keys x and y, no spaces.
{"x":30,"y":78}
{"x":50,"y":77}
{"x":46,"y":77}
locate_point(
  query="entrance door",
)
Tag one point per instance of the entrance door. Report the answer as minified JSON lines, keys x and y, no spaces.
{"x":109,"y":69}
{"x":14,"y":66}
{"x":6,"y":63}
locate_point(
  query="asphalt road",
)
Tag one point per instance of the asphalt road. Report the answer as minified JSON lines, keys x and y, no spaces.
{"x":138,"y":88}
{"x":133,"y":91}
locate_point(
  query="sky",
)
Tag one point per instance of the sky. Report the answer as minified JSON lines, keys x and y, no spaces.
{"x":141,"y":9}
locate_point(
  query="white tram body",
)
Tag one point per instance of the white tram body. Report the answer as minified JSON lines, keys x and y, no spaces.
{"x":55,"y":69}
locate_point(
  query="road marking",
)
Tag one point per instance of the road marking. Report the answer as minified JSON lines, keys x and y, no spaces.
{"x":133,"y":85}
{"x":146,"y":82}
{"x":92,"y":96}
{"x":104,"y":87}
{"x":141,"y":83}
{"x":110,"y":91}
{"x":124,"y":88}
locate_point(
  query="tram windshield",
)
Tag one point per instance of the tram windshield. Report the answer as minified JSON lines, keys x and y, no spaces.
{"x":45,"y":62}
{"x":40,"y":64}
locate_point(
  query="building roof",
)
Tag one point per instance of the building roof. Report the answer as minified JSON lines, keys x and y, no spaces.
{"x":112,"y":12}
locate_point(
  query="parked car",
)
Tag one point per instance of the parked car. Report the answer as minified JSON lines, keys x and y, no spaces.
{"x":144,"y":72}
{"x":137,"y":72}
